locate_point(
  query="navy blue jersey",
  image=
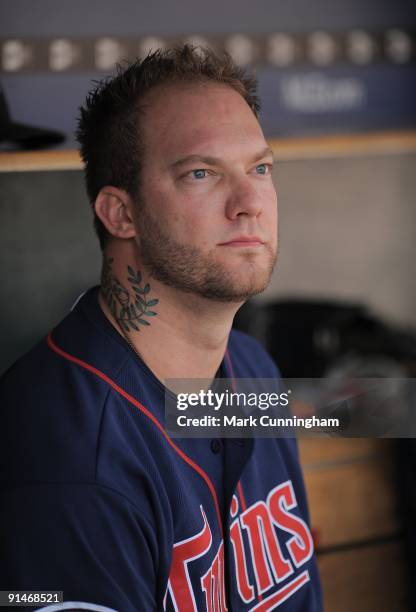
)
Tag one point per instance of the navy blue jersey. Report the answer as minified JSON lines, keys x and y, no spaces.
{"x":99,"y":502}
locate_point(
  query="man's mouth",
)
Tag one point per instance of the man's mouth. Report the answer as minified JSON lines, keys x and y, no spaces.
{"x":244,"y":241}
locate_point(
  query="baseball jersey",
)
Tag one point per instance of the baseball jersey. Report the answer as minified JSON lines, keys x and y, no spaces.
{"x":99,"y":502}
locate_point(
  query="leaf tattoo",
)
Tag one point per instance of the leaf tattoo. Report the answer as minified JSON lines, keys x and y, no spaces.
{"x":128,"y":311}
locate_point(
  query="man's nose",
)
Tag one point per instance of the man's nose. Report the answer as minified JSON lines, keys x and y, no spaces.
{"x":243,"y":199}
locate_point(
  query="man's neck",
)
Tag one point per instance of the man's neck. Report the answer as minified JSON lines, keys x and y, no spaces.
{"x":177,"y":334}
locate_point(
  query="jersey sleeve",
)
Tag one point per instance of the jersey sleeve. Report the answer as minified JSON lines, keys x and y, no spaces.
{"x":86,"y":540}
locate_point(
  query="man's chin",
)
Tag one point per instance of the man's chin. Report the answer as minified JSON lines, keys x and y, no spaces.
{"x":236,"y":292}
{"x":250,"y":269}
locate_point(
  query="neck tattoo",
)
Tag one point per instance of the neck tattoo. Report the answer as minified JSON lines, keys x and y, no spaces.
{"x":129,"y":306}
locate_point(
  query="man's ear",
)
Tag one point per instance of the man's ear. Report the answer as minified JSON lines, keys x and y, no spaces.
{"x":114,"y":208}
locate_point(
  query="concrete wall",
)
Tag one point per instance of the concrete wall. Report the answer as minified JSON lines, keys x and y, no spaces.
{"x":48,"y":254}
{"x":348,"y":230}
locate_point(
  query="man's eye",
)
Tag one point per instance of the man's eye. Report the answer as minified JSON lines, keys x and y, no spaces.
{"x":199,"y":173}
{"x":263,"y":169}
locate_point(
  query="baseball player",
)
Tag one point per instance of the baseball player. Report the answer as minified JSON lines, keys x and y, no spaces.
{"x":98,"y":501}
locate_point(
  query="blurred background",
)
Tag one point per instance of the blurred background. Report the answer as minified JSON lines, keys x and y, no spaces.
{"x":338,"y":87}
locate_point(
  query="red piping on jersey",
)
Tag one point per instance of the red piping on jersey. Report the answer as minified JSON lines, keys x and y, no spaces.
{"x":241,"y":495}
{"x":132,"y":400}
{"x":239,"y":485}
{"x":230,"y":365}
{"x":234,"y":386}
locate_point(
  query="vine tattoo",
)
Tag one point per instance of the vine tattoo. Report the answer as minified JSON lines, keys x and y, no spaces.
{"x":128,"y":311}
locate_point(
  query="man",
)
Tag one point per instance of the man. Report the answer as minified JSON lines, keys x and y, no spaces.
{"x":98,"y":500}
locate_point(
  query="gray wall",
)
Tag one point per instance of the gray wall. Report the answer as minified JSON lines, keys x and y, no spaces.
{"x":47,"y":17}
{"x":348,"y":230}
{"x":48,"y":254}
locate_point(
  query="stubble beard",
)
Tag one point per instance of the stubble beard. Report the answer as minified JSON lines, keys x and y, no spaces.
{"x":190,"y":270}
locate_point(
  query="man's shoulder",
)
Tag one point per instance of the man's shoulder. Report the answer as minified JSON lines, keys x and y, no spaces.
{"x":49,"y":420}
{"x":249,"y":358}
{"x":83,"y":338}
{"x":52,"y":403}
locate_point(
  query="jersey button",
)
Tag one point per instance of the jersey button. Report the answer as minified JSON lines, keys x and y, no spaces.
{"x":215,"y":446}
